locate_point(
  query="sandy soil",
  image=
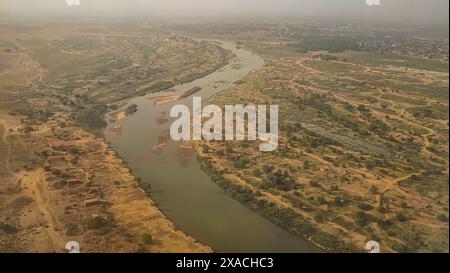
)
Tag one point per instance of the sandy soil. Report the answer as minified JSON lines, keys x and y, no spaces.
{"x":164,"y":99}
{"x":43,"y":204}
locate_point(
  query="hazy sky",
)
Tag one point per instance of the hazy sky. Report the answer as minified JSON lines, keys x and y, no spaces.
{"x":420,"y":11}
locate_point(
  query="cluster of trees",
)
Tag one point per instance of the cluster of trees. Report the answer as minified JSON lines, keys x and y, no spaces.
{"x":7,"y":228}
{"x":131,"y":109}
{"x":318,"y":102}
{"x":284,"y":217}
{"x":92,"y":119}
{"x":239,"y":161}
{"x":280,"y":179}
{"x":327,"y":43}
{"x":96,"y":222}
{"x":160,"y":86}
{"x":31,"y":113}
{"x":362,"y":218}
{"x":190,"y":92}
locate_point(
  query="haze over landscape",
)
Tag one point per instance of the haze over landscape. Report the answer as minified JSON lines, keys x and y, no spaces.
{"x":361,"y":127}
{"x":418,"y":11}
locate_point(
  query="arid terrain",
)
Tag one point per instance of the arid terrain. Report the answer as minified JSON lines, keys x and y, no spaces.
{"x":60,"y":181}
{"x":363,"y":149}
{"x":363,"y":152}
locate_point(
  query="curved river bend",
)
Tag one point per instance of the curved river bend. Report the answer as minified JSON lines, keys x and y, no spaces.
{"x":180,"y":188}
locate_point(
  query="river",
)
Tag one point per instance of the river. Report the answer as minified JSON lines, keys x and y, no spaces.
{"x":180,"y":188}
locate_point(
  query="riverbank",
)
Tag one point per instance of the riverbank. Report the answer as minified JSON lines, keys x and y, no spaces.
{"x":60,"y":179}
{"x":78,"y":190}
{"x":133,"y":206}
{"x":284,"y":217}
{"x":182,"y":189}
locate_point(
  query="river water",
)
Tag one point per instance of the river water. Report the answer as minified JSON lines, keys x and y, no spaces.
{"x":180,"y":188}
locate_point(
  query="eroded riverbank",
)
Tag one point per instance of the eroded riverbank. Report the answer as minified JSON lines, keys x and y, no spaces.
{"x":178,"y":185}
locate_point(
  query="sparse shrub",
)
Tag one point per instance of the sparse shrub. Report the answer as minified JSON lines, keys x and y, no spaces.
{"x":402,"y":218}
{"x":321,"y":200}
{"x":314,"y":183}
{"x":306,"y":165}
{"x":96,"y":222}
{"x":319,"y":218}
{"x":146,"y":238}
{"x":362,"y":218}
{"x":341,"y":200}
{"x":443,"y":218}
{"x":8,"y":229}
{"x":72,"y":229}
{"x":205,"y":149}
{"x":374,"y":190}
{"x":257,"y":172}
{"x":21,"y":202}
{"x":74,"y":150}
{"x":364,"y":206}
{"x":268,"y":168}
{"x":281,"y":179}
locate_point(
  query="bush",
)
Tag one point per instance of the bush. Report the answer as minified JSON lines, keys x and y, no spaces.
{"x":8,"y":228}
{"x":306,"y":165}
{"x":443,"y":218}
{"x":364,"y":206}
{"x":96,"y":222}
{"x":74,"y":150}
{"x":341,"y":200}
{"x":374,"y":190}
{"x":281,"y":179}
{"x":146,"y":238}
{"x":92,"y":119}
{"x":205,"y":149}
{"x":241,"y":163}
{"x":72,"y":229}
{"x":268,"y":168}
{"x":402,"y":218}
{"x":321,"y":200}
{"x":257,"y":173}
{"x":319,"y":218}
{"x":362,"y":218}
